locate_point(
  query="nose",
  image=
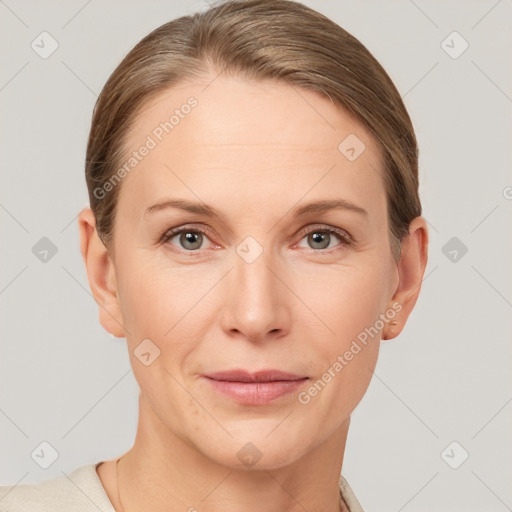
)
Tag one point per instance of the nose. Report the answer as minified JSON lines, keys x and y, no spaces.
{"x":257,"y":304}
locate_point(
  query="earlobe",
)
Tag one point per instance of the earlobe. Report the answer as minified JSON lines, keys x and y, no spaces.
{"x":100,"y":274}
{"x":411,"y":268}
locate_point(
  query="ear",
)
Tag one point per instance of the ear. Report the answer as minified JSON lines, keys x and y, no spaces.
{"x":411,"y":268}
{"x":100,"y":273}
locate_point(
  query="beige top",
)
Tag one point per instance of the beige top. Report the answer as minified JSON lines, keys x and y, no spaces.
{"x":83,"y":492}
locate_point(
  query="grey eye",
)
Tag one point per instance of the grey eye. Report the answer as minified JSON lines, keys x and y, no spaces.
{"x":191,"y":240}
{"x":319,"y":239}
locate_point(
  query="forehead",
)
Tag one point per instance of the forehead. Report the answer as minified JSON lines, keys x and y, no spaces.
{"x":260,"y":135}
{"x":253,"y":111}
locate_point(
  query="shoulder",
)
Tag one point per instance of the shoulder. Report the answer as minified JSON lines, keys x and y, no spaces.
{"x":348,"y":496}
{"x":78,"y":491}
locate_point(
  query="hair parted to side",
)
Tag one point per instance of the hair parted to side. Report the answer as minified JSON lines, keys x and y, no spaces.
{"x":257,"y":39}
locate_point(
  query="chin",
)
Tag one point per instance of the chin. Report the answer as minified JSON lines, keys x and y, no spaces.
{"x":255,"y":449}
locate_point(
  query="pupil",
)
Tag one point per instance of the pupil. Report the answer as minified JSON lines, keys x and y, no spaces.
{"x":320,"y":238}
{"x":317,"y":238}
{"x":191,"y":238}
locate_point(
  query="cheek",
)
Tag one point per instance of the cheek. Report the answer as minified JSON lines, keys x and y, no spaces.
{"x":164,"y":303}
{"x":332,"y":304}
{"x":345,"y":299}
{"x":349,"y":303}
{"x":158,"y":305}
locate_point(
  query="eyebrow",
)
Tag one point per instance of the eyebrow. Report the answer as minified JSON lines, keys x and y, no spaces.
{"x":209,"y":211}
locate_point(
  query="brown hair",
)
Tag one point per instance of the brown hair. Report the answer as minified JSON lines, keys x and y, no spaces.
{"x":259,"y":39}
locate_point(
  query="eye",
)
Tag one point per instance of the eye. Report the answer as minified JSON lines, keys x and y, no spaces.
{"x":323,"y":237}
{"x":190,"y":239}
{"x":318,"y":238}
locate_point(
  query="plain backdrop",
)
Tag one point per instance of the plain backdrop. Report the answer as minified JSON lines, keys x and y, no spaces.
{"x":441,"y":391}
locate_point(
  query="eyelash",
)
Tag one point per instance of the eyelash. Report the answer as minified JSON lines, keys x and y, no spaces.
{"x":343,"y":236}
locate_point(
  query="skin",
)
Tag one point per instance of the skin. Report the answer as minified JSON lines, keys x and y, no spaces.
{"x":255,"y":151}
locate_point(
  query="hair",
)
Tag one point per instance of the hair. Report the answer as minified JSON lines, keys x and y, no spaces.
{"x":256,"y":39}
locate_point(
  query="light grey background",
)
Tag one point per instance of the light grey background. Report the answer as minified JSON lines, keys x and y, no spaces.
{"x":447,"y":378}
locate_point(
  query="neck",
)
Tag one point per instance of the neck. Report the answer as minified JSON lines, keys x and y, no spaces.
{"x":163,"y":472}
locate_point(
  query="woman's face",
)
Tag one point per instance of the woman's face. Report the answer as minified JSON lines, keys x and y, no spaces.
{"x":268,"y":282}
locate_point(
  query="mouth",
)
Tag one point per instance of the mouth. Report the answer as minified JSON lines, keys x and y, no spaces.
{"x":255,"y":388}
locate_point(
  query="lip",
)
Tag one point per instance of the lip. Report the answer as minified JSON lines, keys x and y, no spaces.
{"x":255,"y":388}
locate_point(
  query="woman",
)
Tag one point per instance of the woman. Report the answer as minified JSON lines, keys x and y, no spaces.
{"x":254,"y":231}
